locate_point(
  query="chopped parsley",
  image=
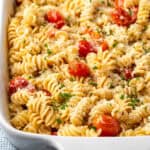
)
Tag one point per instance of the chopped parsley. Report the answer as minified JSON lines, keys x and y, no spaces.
{"x":62,"y":85}
{"x":97,"y":30}
{"x":58,"y":120}
{"x":95,"y":67}
{"x":49,"y":51}
{"x":130,"y":12}
{"x":115,"y":44}
{"x":134,"y":102}
{"x":92,"y":127}
{"x":63,"y":106}
{"x":65,"y":96}
{"x":30,"y":77}
{"x":72,"y":79}
{"x":122,"y":96}
{"x":93,"y":83}
{"x":111,"y":86}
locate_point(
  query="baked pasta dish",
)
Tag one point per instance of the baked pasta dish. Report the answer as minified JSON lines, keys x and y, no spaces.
{"x":80,"y":67}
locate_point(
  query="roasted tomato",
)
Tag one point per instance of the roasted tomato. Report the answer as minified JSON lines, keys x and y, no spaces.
{"x":17,"y":83}
{"x":104,"y":46}
{"x":55,"y":17}
{"x":121,"y":17}
{"x":80,"y":69}
{"x":109,"y":125}
{"x":86,"y":47}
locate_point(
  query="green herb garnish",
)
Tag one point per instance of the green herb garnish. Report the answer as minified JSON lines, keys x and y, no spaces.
{"x":92,"y":127}
{"x":65,"y":96}
{"x":63,"y":106}
{"x":62,"y":85}
{"x":115,"y":44}
{"x":30,"y":77}
{"x":95,"y":67}
{"x":122,"y":97}
{"x":93,"y":83}
{"x":49,"y":51}
{"x":134,"y":102}
{"x":72,"y":79}
{"x":111,"y":86}
{"x":58,"y":120}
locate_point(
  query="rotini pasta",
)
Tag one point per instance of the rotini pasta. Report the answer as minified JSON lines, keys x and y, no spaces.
{"x":80,"y":67}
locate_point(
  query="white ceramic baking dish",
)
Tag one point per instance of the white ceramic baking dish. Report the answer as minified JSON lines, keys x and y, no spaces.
{"x":27,"y":141}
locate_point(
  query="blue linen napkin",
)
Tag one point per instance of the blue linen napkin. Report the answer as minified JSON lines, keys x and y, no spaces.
{"x":4,"y":143}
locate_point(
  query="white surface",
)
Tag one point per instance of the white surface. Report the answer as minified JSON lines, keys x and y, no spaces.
{"x":27,"y":141}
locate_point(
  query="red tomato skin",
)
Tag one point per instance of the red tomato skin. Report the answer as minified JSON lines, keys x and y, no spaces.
{"x":121,"y":17}
{"x":79,"y":69}
{"x":46,"y":92}
{"x":16,"y":83}
{"x":104,"y":46}
{"x":54,"y":16}
{"x":128,"y":74}
{"x":108,"y":125}
{"x":85,"y":47}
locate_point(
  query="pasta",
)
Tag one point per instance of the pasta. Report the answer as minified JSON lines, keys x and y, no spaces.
{"x":80,"y":67}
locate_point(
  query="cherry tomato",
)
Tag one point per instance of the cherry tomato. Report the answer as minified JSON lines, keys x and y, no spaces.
{"x":104,"y":46}
{"x":54,"y":16}
{"x":86,"y":47}
{"x":16,"y":83}
{"x":108,"y":125}
{"x":119,"y":3}
{"x":46,"y":92}
{"x":121,"y":17}
{"x":128,"y":74}
{"x":79,"y":69}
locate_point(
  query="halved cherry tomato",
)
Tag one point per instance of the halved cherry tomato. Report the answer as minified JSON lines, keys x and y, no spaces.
{"x":121,"y":17}
{"x":104,"y":46}
{"x":128,"y":74}
{"x":119,"y":3}
{"x":54,"y":16}
{"x":86,"y":47}
{"x":46,"y":92}
{"x":15,"y":84}
{"x":80,"y":69}
{"x":109,"y":125}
